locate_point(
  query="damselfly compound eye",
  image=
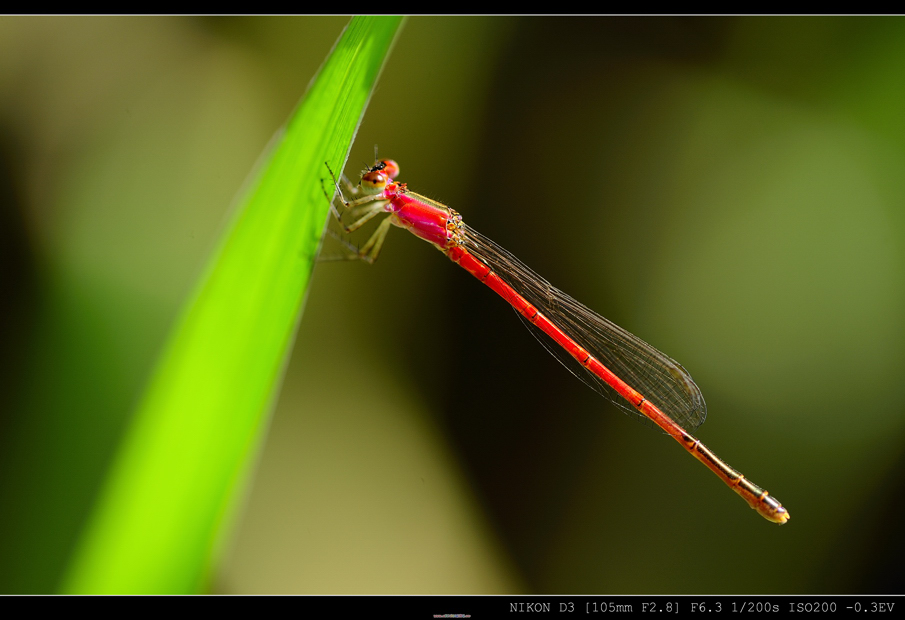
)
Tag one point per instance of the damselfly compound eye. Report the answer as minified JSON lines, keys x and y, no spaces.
{"x":390,"y":168}
{"x":374,"y":181}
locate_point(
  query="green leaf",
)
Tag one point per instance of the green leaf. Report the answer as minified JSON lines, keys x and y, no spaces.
{"x":162,"y":513}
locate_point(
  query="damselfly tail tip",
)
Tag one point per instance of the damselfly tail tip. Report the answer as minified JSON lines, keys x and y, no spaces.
{"x":765,"y":505}
{"x":772,"y":510}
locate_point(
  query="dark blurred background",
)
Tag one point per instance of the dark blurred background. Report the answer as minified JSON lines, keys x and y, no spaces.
{"x":729,"y":189}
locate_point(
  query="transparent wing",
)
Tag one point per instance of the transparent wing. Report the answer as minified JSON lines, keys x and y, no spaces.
{"x":655,"y":375}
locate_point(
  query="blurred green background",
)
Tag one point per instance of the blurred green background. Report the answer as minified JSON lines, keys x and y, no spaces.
{"x":732,"y":190}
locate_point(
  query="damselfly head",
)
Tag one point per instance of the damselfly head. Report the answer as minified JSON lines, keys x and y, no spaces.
{"x":388,"y":167}
{"x":375,"y":179}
